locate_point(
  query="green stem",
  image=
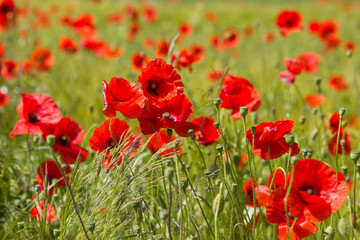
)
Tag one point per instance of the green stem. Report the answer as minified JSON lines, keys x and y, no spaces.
{"x":337,"y":147}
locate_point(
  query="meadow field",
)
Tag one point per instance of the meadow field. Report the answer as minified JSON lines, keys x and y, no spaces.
{"x":179,"y":119}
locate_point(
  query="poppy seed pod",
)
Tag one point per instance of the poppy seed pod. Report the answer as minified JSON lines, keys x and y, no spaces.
{"x":219,"y":148}
{"x":317,"y":80}
{"x":304,"y":152}
{"x":302,"y":120}
{"x":217,"y":102}
{"x":314,"y":111}
{"x":349,"y":53}
{"x":342,"y":143}
{"x":244,"y":111}
{"x":253,"y":130}
{"x":217,"y":125}
{"x":50,"y":139}
{"x":342,"y":111}
{"x":289,"y":139}
{"x":191,"y":133}
{"x":329,"y":233}
{"x":344,"y":123}
{"x":90,"y":226}
{"x":355,"y":155}
{"x":345,"y":169}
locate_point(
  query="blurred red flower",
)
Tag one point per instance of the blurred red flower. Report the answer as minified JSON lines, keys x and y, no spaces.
{"x":4,"y":99}
{"x":349,"y":45}
{"x":337,"y":83}
{"x":36,"y":111}
{"x":347,"y":147}
{"x":260,"y":191}
{"x":139,"y":61}
{"x":293,"y":65}
{"x":10,"y":69}
{"x":268,"y":37}
{"x":228,"y":39}
{"x":68,"y":45}
{"x":42,"y":59}
{"x":310,"y":61}
{"x":84,"y":25}
{"x":150,"y":13}
{"x":207,"y":134}
{"x":49,"y":170}
{"x":314,"y":100}
{"x":238,"y":92}
{"x":289,"y":22}
{"x":269,"y":136}
{"x":162,"y":48}
{"x":215,"y":75}
{"x":120,"y":95}
{"x":287,"y":77}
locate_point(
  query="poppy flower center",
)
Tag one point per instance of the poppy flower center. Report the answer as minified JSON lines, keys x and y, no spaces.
{"x":64,"y":140}
{"x":111,"y":143}
{"x":32,"y":118}
{"x":310,"y":191}
{"x":152,"y":87}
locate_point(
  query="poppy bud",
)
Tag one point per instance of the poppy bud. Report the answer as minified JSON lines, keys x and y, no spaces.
{"x":273,"y":110}
{"x":90,"y":226}
{"x":217,"y":125}
{"x":342,"y":143}
{"x":184,"y":182}
{"x":219,"y":202}
{"x":344,"y":123}
{"x":322,"y":116}
{"x":244,"y":111}
{"x":91,"y":108}
{"x":317,"y":80}
{"x":314,"y":111}
{"x":294,"y":160}
{"x":214,"y":171}
{"x":345,"y":169}
{"x":314,"y":133}
{"x":236,"y":158}
{"x":37,"y":139}
{"x":343,"y":227}
{"x":217,"y":102}
{"x":56,"y":232}
{"x":304,"y":152}
{"x":166,"y":115}
{"x":191,"y":133}
{"x":289,"y":139}
{"x":107,"y":171}
{"x":302,"y":120}
{"x":355,"y":155}
{"x":50,"y":139}
{"x":329,"y":233}
{"x":234,"y":187}
{"x":253,"y":130}
{"x":37,"y":188}
{"x":219,"y":148}
{"x":358,"y":167}
{"x":349,"y":53}
{"x":309,"y":154}
{"x":342,"y":111}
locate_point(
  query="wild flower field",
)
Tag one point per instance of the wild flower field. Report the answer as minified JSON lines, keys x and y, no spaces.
{"x":179,"y":119}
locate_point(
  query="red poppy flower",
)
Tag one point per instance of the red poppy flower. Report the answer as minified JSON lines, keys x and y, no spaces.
{"x":105,"y":142}
{"x":84,"y":25}
{"x":185,"y":29}
{"x":216,"y":75}
{"x":108,"y":52}
{"x":160,"y":139}
{"x":333,"y":140}
{"x":248,"y":31}
{"x":184,"y":59}
{"x":293,"y":65}
{"x":249,"y":197}
{"x":212,"y":17}
{"x":279,"y":179}
{"x":68,"y":135}
{"x":270,"y":136}
{"x":117,"y":18}
{"x":36,"y":111}
{"x":314,"y":27}
{"x":243,"y":159}
{"x":228,"y":39}
{"x":26,"y":66}
{"x":39,"y":207}
{"x":139,"y":61}
{"x":310,"y":61}
{"x":150,"y":13}
{"x":50,"y":171}
{"x":238,"y":92}
{"x":4,"y":99}
{"x":2,"y":50}
{"x":207,"y":134}
{"x":332,"y":43}
{"x":162,"y":48}
{"x":160,"y":81}
{"x":122,"y":96}
{"x":42,"y":59}
{"x":289,"y":22}
{"x":68,"y":45}
{"x":328,"y":29}
{"x":171,"y":115}
{"x":316,"y":192}
{"x":132,"y":12}
{"x":133,"y":30}
{"x":92,"y":43}
{"x":349,"y":45}
{"x":10,"y":69}
{"x":287,"y":77}
{"x":149,"y":42}
{"x":7,"y":13}
{"x":337,"y":83}
{"x":334,"y":122}
{"x":275,"y":214}
{"x":315,"y":100}
{"x":268,"y":37}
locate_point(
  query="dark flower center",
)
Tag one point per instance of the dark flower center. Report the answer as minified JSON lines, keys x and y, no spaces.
{"x":32,"y":118}
{"x":310,"y":191}
{"x":111,"y":143}
{"x":64,"y":140}
{"x":152,"y":87}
